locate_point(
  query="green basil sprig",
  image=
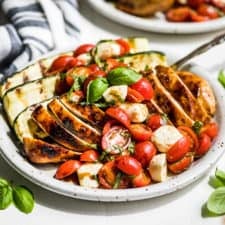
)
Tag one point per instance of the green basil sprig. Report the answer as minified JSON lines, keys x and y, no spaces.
{"x":21,"y":197}
{"x":215,"y":205}
{"x":123,"y":75}
{"x":96,"y":88}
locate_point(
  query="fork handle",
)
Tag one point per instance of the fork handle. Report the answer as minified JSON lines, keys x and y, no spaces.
{"x":200,"y":50}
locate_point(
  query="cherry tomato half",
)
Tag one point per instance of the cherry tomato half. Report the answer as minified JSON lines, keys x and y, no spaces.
{"x":116,"y":140}
{"x":181,"y":14}
{"x":187,"y":131}
{"x":144,"y":87}
{"x":195,"y":3}
{"x":128,"y":165}
{"x":155,"y":121}
{"x":67,"y":168}
{"x":61,"y":63}
{"x":211,"y":129}
{"x":196,"y":17}
{"x":124,"y":46}
{"x":179,"y":149}
{"x":134,"y":96}
{"x":83,"y":49}
{"x":89,"y":156}
{"x":218,"y":3}
{"x":140,"y":132}
{"x":182,"y":164}
{"x":118,"y":114}
{"x":144,"y":152}
{"x":108,"y":125}
{"x":204,"y":144}
{"x":208,"y":10}
{"x":141,"y":180}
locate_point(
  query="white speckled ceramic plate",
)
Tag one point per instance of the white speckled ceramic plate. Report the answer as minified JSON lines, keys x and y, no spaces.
{"x":159,"y":25}
{"x":43,"y":175}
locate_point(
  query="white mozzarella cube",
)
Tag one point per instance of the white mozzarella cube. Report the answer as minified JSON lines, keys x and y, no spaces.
{"x":117,"y":93}
{"x":108,"y":49}
{"x":87,"y":174}
{"x":165,"y":137}
{"x":137,"y":112}
{"x":158,"y":167}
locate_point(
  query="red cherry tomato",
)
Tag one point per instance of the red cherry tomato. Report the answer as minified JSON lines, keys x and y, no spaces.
{"x":134,"y":96}
{"x":195,"y":3}
{"x":116,"y":140}
{"x":181,"y":14}
{"x":195,"y":17}
{"x":94,"y":68}
{"x":144,"y":87}
{"x":108,"y":126}
{"x":179,"y":149}
{"x":128,"y":165}
{"x":140,"y":132}
{"x":182,"y":164}
{"x":118,"y":114}
{"x":113,"y":63}
{"x":124,"y":46}
{"x":188,"y":132}
{"x":83,"y":49}
{"x":204,"y":144}
{"x":61,"y":63}
{"x":69,"y":80}
{"x":67,"y":168}
{"x":99,"y":73}
{"x":141,"y":180}
{"x":211,"y":129}
{"x":208,"y":10}
{"x":144,"y":152}
{"x":74,"y":62}
{"x":107,"y":175}
{"x":155,"y":121}
{"x":218,"y":3}
{"x":89,"y":156}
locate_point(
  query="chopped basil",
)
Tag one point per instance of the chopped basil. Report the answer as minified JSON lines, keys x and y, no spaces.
{"x":131,"y":147}
{"x":117,"y":181}
{"x":197,"y":126}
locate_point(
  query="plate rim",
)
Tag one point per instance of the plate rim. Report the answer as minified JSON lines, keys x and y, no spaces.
{"x":22,"y":166}
{"x":165,"y":27}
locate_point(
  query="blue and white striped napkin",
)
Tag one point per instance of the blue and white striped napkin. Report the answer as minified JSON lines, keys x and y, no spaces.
{"x":36,"y":27}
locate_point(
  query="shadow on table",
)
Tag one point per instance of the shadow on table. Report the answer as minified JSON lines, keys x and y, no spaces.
{"x":62,"y":203}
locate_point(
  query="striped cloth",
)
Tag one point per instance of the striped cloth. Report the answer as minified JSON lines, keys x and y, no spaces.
{"x":36,"y":27}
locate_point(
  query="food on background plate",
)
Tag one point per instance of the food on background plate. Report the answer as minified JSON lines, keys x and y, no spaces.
{"x":111,"y":115}
{"x":174,"y":10}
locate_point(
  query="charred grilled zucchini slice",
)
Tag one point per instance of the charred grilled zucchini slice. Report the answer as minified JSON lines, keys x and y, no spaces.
{"x":19,"y":98}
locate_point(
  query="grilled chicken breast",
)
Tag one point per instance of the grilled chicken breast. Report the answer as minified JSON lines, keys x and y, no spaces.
{"x":41,"y":152}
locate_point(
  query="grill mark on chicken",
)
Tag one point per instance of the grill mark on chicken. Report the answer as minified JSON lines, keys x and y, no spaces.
{"x":56,"y":131}
{"x":39,"y":151}
{"x":168,"y":104}
{"x":73,"y":123}
{"x":173,"y":84}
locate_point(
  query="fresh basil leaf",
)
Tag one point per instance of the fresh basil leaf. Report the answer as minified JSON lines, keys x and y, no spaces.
{"x":3,"y":182}
{"x":215,"y":182}
{"x":221,"y":77}
{"x":197,"y":126}
{"x":123,"y":75}
{"x":206,"y":213}
{"x":5,"y":197}
{"x":95,"y":89}
{"x":220,"y":175}
{"x":23,"y":199}
{"x":216,"y":201}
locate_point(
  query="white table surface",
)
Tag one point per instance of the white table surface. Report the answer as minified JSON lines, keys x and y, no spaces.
{"x":180,"y":208}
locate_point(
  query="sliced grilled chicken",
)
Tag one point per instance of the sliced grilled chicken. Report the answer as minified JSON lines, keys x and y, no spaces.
{"x":201,"y":89}
{"x":73,"y":123}
{"x":57,"y":131}
{"x":89,"y":113}
{"x":41,"y":152}
{"x":168,"y":104}
{"x":176,"y":87}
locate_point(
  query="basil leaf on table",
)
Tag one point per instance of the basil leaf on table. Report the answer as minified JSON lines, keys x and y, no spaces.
{"x":216,"y":201}
{"x":95,"y":89}
{"x":215,"y":182}
{"x":221,"y":77}
{"x":123,"y":75}
{"x":5,"y":197}
{"x":220,"y":175}
{"x":3,"y":182}
{"x":23,"y":199}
